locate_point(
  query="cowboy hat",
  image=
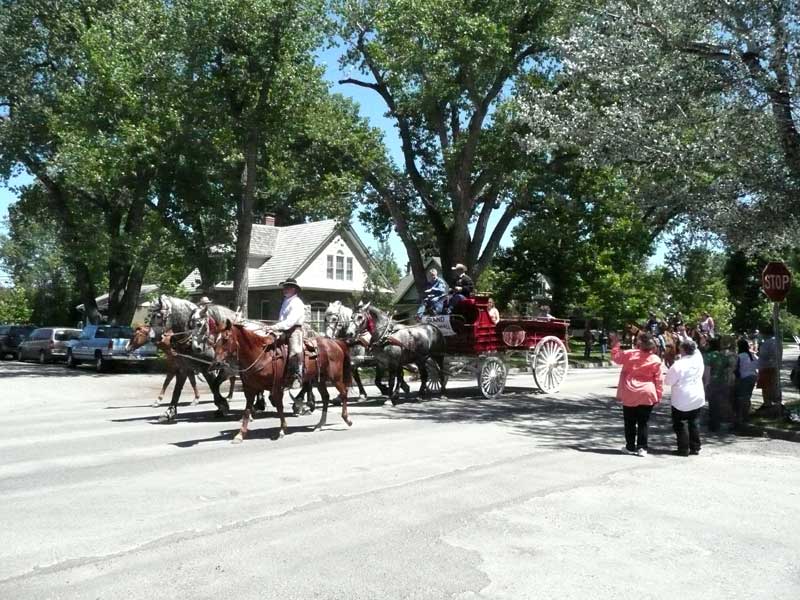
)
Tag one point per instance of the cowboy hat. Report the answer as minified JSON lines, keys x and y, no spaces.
{"x":291,"y":281}
{"x":204,"y":300}
{"x":459,"y":266}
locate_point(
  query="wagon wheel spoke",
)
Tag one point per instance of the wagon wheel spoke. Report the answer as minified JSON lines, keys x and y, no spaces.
{"x":549,"y":363}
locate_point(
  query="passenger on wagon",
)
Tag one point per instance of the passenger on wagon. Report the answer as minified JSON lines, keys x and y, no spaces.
{"x":462,"y":288}
{"x":433,"y":300}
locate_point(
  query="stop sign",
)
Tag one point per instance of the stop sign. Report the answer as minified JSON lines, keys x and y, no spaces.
{"x":776,"y":279}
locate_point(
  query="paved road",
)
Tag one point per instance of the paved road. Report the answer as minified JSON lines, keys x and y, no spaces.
{"x":523,"y":497}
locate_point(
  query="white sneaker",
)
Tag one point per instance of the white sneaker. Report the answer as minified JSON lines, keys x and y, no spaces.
{"x":641,"y":452}
{"x":625,"y":450}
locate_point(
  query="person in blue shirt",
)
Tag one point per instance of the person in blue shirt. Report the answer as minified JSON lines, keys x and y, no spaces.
{"x":433,"y":300}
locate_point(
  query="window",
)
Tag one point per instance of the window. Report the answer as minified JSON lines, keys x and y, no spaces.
{"x":349,"y":275}
{"x":330,"y":266}
{"x":265,"y":310}
{"x":340,"y":265}
{"x":317,"y":317}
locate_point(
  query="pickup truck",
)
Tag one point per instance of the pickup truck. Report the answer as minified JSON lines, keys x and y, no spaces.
{"x":104,"y":345}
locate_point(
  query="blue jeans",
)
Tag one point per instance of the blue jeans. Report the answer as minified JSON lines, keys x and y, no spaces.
{"x":455,"y":300}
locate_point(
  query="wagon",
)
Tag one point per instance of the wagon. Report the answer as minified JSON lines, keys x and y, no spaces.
{"x":475,"y":344}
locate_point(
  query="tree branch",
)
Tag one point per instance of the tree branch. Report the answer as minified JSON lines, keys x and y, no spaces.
{"x":494,"y":239}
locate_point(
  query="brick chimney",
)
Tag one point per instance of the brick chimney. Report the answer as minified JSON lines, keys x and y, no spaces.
{"x":265,"y":219}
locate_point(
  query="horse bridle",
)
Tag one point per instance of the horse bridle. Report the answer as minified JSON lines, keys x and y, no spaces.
{"x":339,"y":321}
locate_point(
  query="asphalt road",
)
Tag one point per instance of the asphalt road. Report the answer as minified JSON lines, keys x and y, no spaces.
{"x":521,"y":497}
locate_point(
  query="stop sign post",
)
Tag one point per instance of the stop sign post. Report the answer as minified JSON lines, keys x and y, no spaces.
{"x":776,"y":280}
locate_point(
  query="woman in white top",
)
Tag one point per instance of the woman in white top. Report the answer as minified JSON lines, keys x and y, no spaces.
{"x":746,"y":374}
{"x":688,"y":397}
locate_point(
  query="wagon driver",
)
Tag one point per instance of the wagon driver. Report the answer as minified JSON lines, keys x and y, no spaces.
{"x":462,"y":287}
{"x":290,"y":321}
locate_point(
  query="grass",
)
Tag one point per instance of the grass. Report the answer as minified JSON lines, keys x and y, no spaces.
{"x":778,"y":422}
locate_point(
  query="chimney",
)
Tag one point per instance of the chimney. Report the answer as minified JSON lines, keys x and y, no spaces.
{"x":265,"y":219}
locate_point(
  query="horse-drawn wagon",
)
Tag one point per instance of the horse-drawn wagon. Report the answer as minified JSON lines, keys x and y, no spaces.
{"x":475,"y":344}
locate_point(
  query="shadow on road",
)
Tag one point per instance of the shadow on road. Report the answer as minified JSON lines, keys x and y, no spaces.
{"x":591,"y":423}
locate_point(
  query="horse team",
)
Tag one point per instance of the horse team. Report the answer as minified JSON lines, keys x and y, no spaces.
{"x":220,"y":345}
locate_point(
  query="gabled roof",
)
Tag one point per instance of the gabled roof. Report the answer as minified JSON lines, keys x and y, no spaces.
{"x":295,"y":245}
{"x":286,"y":251}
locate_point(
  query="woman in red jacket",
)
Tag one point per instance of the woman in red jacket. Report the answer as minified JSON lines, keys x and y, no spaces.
{"x":640,"y":388}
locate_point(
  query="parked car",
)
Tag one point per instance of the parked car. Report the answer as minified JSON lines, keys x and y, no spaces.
{"x":10,"y":338}
{"x":106,"y":344}
{"x":47,"y":344}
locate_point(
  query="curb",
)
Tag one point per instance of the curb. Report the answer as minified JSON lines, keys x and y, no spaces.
{"x":769,"y":432}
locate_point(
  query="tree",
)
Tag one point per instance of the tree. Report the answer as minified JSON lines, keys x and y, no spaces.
{"x":443,"y":70}
{"x":695,"y":280}
{"x":30,"y":252}
{"x":382,"y":277}
{"x":14,"y":306}
{"x":588,"y":239}
{"x":699,"y":94}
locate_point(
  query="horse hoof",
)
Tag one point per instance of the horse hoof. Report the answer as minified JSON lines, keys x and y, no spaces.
{"x":349,"y":422}
{"x":238,"y":439}
{"x":196,"y":401}
{"x":156,"y":404}
{"x":281,"y":434}
{"x":362,"y":397}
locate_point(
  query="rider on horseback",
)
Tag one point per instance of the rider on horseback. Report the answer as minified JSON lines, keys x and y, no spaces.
{"x":653,"y":326}
{"x":433,"y":300}
{"x":290,"y":320}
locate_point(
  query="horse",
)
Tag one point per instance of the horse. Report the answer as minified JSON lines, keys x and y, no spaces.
{"x":394,"y":346}
{"x":260,"y":361}
{"x":337,"y":321}
{"x":671,"y":341}
{"x":175,"y":314}
{"x":204,"y":323}
{"x":144,"y":334}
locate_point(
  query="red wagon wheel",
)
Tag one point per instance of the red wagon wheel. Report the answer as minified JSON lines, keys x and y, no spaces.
{"x":549,"y":364}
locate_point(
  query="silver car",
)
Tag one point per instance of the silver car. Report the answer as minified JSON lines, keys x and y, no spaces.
{"x":47,"y":344}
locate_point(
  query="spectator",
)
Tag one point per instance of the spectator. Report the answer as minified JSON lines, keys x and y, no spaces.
{"x":688,"y":397}
{"x":588,"y":340}
{"x":768,"y":367}
{"x":758,"y":339}
{"x":717,"y":378}
{"x":640,"y":388}
{"x":603,"y":341}
{"x":745,"y":373}
{"x":494,"y":314}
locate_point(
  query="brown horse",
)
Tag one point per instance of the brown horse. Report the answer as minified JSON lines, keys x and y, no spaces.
{"x":261,"y":364}
{"x":144,"y":334}
{"x":670,"y":350}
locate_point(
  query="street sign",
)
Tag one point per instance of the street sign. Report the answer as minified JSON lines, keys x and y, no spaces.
{"x":776,"y":279}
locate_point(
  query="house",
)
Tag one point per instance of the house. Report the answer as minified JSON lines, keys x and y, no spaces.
{"x":326,"y":258}
{"x":142,"y":307}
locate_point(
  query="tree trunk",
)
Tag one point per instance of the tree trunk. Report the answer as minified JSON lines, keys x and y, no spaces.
{"x":244,"y":227}
{"x":88,"y":293}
